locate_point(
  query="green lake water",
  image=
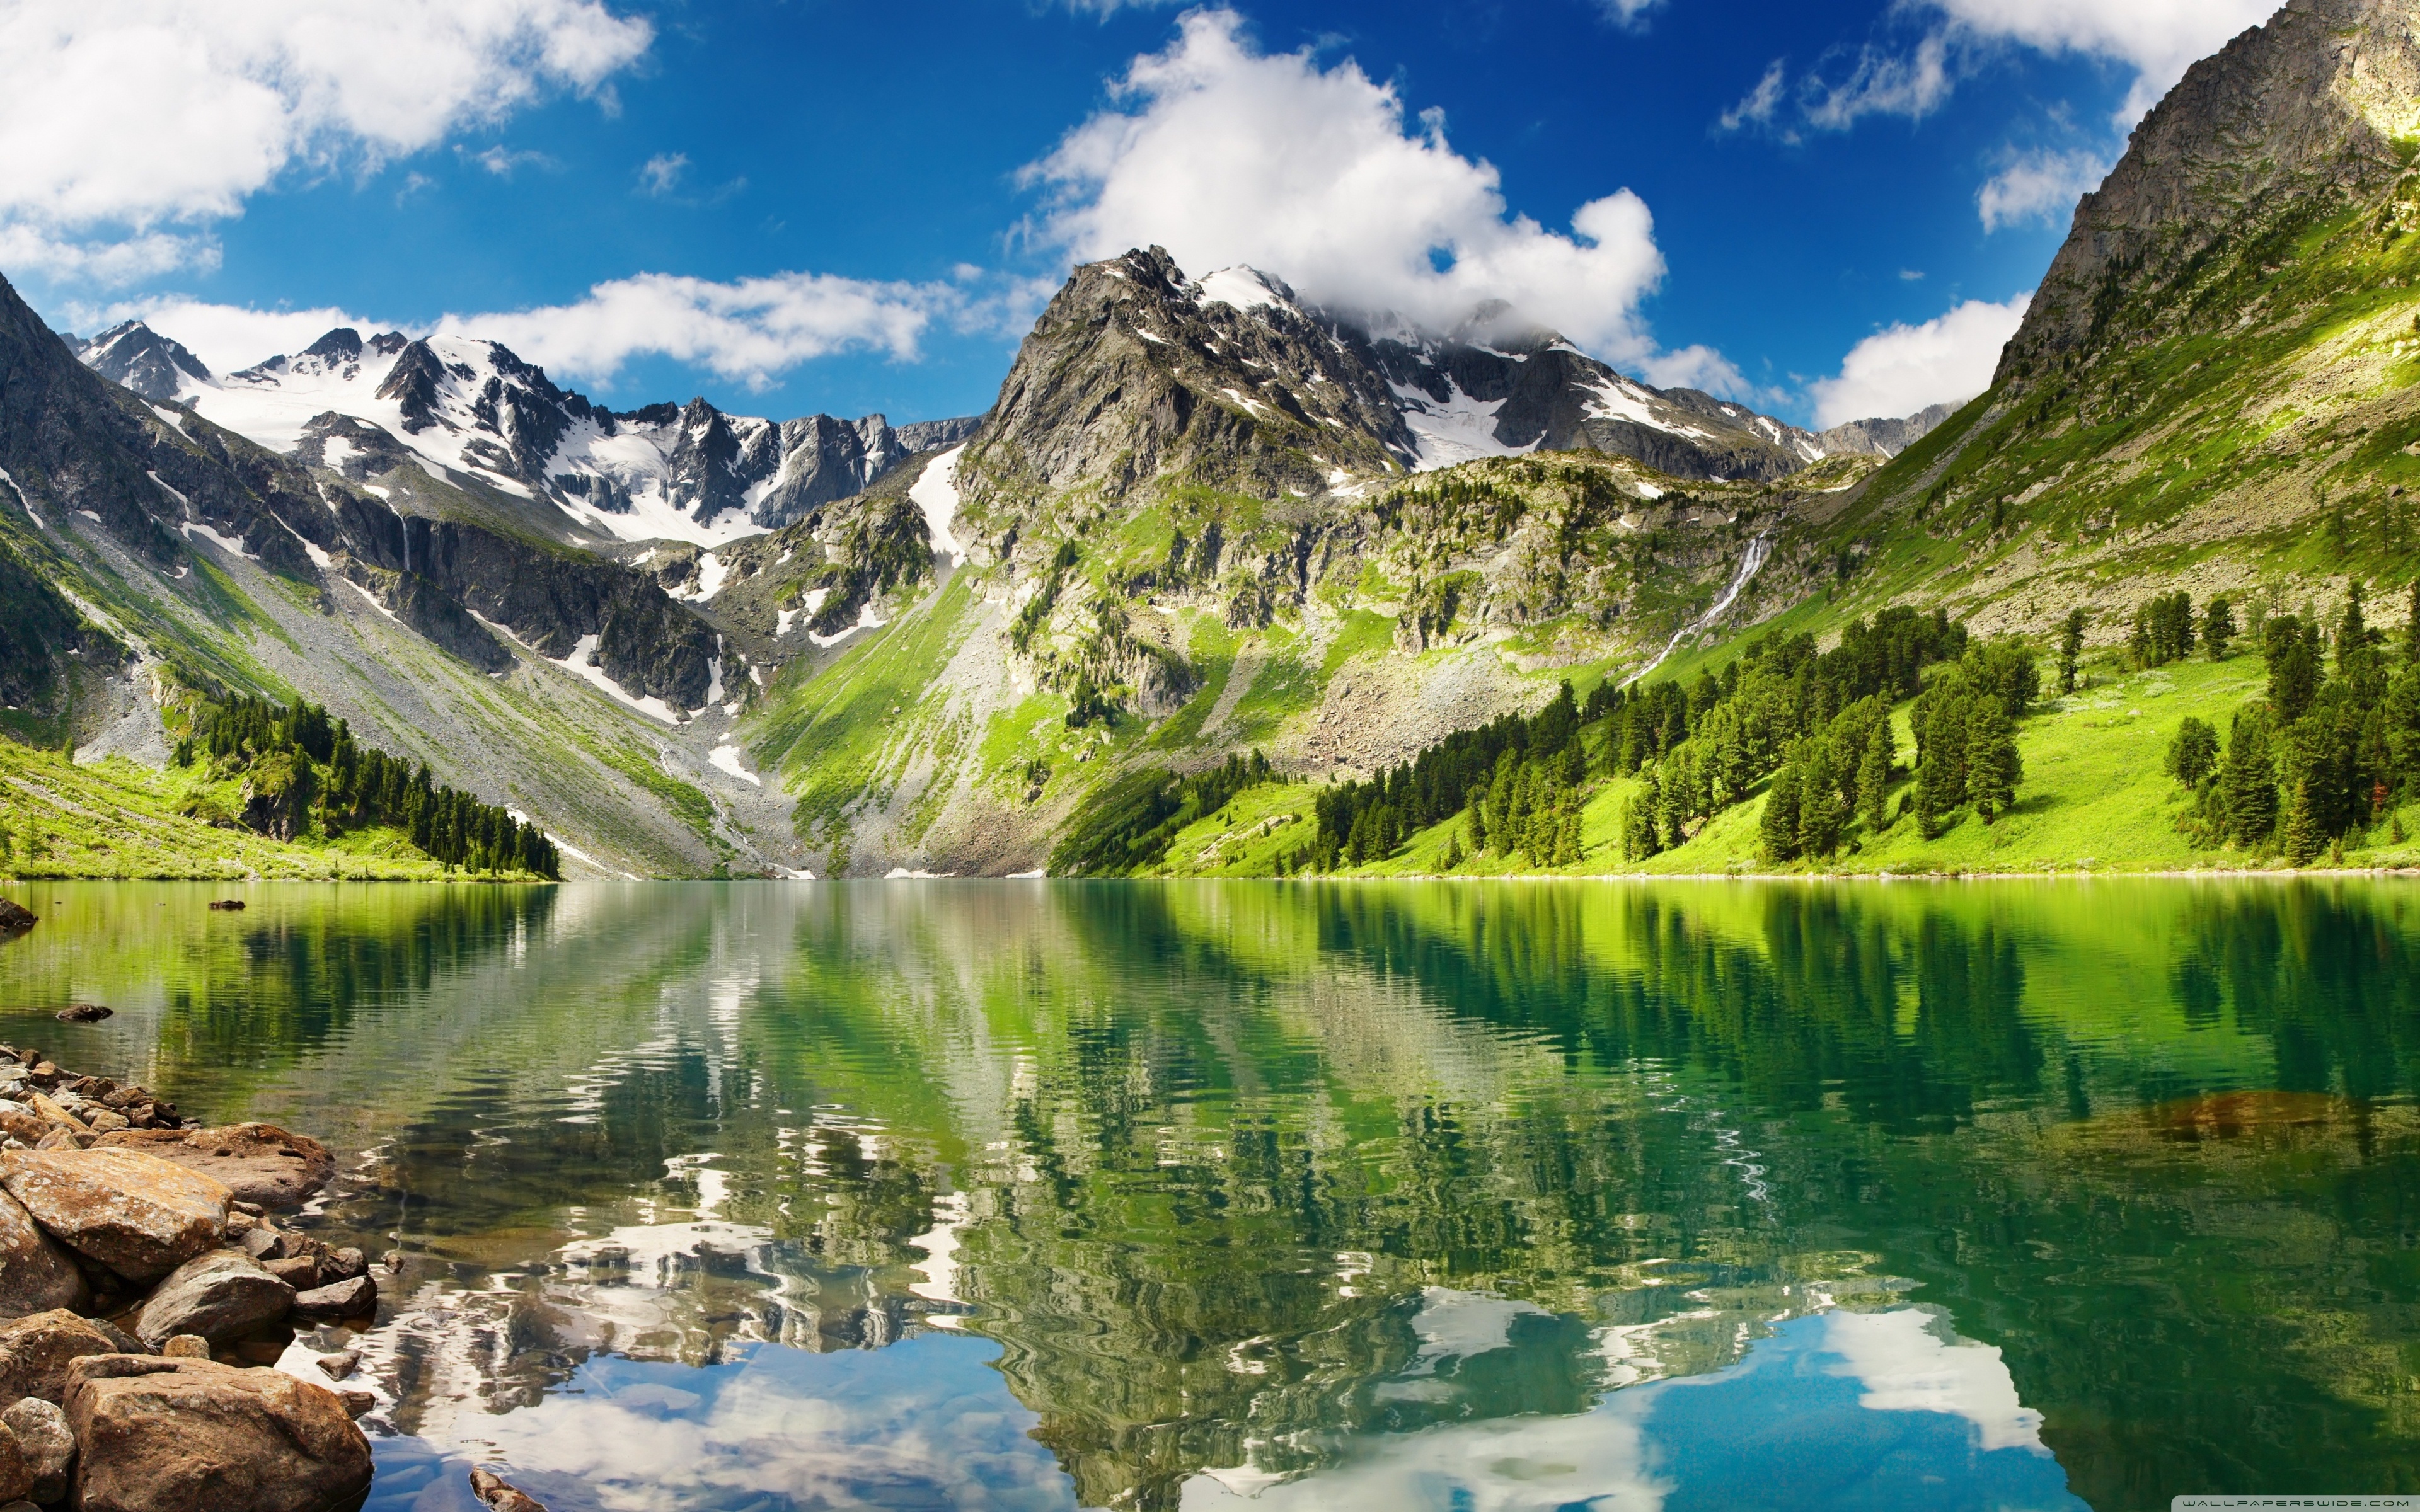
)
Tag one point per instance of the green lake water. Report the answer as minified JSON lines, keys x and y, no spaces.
{"x":756,"y":1198}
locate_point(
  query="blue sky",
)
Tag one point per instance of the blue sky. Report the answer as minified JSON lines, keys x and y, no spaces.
{"x":791,"y":206}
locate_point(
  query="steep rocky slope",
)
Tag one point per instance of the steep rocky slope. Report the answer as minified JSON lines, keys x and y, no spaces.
{"x":143,"y":550}
{"x":2214,"y":390}
{"x":1203,"y":517}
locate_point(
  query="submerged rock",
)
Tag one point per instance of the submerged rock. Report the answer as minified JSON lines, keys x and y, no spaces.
{"x":135,"y":1214}
{"x":36,"y":1274}
{"x":500,"y":1495}
{"x":82,"y":1013}
{"x":260,"y":1163}
{"x":16,"y":918}
{"x":233,"y":905}
{"x":220,"y":1296}
{"x":190,"y":1435}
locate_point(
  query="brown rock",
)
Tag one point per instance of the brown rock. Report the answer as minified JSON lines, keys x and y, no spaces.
{"x":16,"y":918}
{"x":82,"y":1013}
{"x":344,"y":1264}
{"x":186,"y":1347}
{"x":357,"y":1402}
{"x":340,"y":1365}
{"x":301,"y":1272}
{"x":345,"y":1299}
{"x":16,"y":1475}
{"x":500,"y":1495}
{"x":35,"y":1354}
{"x":49,"y":1447}
{"x":232,"y":905}
{"x":17,"y":1121}
{"x":191,"y":1436}
{"x":104,"y":1120}
{"x":260,"y":1161}
{"x":138,"y":1214}
{"x":36,"y":1274}
{"x":220,"y":1296}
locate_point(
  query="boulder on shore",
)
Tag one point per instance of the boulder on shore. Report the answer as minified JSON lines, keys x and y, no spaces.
{"x":16,"y":918}
{"x":49,"y":1446}
{"x":36,"y":1272}
{"x":159,"y":1435}
{"x":341,"y":1299}
{"x":221,"y":1295}
{"x":257,"y":1161}
{"x":135,"y":1214}
{"x":35,"y":1354}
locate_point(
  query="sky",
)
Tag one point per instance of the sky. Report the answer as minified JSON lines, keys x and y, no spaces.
{"x":1830,"y":209}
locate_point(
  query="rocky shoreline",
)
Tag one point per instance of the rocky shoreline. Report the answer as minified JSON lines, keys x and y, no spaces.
{"x":147,"y":1290}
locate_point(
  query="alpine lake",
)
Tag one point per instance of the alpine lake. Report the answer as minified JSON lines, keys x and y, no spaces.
{"x":758,"y":1196}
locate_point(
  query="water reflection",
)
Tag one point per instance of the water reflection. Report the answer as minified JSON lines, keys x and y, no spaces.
{"x":1492,"y":1196}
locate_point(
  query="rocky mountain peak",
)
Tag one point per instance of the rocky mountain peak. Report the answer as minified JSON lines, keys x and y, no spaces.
{"x":2304,"y":111}
{"x":133,"y":354}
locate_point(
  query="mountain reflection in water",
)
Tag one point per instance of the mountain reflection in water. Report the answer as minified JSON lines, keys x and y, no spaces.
{"x":1207,"y":1194}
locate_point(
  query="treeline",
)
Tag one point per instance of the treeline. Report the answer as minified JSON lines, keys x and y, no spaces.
{"x":2326,"y":756}
{"x":1130,"y":825}
{"x":1819,"y":721}
{"x":299,"y":765}
{"x":1520,"y":779}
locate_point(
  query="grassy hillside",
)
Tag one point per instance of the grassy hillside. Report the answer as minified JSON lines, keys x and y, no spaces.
{"x":113,"y":819}
{"x":2095,"y":797}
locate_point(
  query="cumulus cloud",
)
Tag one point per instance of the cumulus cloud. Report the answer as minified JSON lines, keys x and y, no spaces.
{"x":121,"y":117}
{"x":1903,"y":369}
{"x":2158,"y":38}
{"x":2039,"y":186}
{"x":1224,"y":155}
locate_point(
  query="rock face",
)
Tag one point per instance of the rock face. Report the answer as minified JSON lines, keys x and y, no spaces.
{"x":36,"y":1274}
{"x":258,"y":1163}
{"x":2299,"y":112}
{"x":135,"y":1214}
{"x":35,"y":1354}
{"x":1882,"y":437}
{"x":220,"y":1296}
{"x":133,"y":354}
{"x":47,"y":1444}
{"x":161,"y":1435}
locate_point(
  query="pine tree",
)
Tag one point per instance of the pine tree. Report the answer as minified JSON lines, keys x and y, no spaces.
{"x":1994,"y":769}
{"x":1874,"y":777}
{"x":2217,"y":629}
{"x":2301,"y":829}
{"x":1452,"y":859}
{"x":2193,"y":755}
{"x":2412,"y":626}
{"x":2248,"y":781}
{"x":1779,"y":826}
{"x":2070,"y":648}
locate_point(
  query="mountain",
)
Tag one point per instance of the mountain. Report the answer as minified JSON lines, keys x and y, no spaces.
{"x":2213,"y":390}
{"x":475,"y":413}
{"x":1203,"y":516}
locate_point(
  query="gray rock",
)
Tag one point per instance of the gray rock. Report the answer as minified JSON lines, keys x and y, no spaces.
{"x":36,"y":1274}
{"x":192,"y":1436}
{"x":345,"y":1299}
{"x":49,"y":1447}
{"x":220,"y":1296}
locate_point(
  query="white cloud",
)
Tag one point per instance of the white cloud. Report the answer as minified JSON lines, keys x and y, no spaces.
{"x":226,"y":338}
{"x":748,"y":330}
{"x":1903,"y":369}
{"x":662,"y":174}
{"x":1756,"y":107}
{"x":2039,"y":186}
{"x":2158,"y":38}
{"x":502,"y":162}
{"x":120,"y":116}
{"x":1882,"y":83}
{"x":1227,"y":155}
{"x":1626,"y":13}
